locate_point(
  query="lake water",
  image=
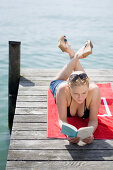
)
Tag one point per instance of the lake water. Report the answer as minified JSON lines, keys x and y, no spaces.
{"x":38,"y":25}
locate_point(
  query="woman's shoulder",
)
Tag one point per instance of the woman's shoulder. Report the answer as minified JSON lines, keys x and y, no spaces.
{"x":63,"y":88}
{"x":93,"y":88}
{"x":63,"y":92}
{"x":94,"y":95}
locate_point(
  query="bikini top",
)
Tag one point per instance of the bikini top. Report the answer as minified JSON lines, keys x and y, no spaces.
{"x":86,"y":111}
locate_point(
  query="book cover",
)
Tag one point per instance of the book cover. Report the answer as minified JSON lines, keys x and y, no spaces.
{"x":69,"y":130}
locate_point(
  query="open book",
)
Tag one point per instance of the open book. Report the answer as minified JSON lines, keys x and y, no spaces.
{"x":71,"y":131}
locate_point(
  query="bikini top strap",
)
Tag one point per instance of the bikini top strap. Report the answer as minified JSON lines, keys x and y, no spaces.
{"x":85,"y":105}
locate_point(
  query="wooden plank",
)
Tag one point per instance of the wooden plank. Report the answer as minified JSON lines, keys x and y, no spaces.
{"x":38,"y":71}
{"x":30,"y":118}
{"x":32,"y":98}
{"x":31,"y":104}
{"x":62,"y":165}
{"x":29,"y":126}
{"x":34,"y":83}
{"x":34,"y":88}
{"x":37,"y":78}
{"x":31,"y":110}
{"x":32,"y":93}
{"x":29,"y":135}
{"x":57,"y":144}
{"x":64,"y":155}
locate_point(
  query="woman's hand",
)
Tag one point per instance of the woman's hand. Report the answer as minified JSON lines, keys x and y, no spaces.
{"x":74,"y":139}
{"x":88,"y":140}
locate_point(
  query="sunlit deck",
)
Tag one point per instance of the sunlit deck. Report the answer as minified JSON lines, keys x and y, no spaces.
{"x":29,"y":146}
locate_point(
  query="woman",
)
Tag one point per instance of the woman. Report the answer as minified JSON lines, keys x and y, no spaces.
{"x":73,"y":93}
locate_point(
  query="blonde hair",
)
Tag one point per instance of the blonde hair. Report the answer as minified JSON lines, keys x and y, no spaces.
{"x":79,"y":79}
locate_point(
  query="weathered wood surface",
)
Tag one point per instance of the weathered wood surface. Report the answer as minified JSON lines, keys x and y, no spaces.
{"x":30,"y":110}
{"x":61,"y":165}
{"x":59,"y":154}
{"x":54,"y":144}
{"x":31,"y":149}
{"x":29,"y":126}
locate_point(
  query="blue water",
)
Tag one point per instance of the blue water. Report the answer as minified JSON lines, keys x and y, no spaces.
{"x":38,"y":25}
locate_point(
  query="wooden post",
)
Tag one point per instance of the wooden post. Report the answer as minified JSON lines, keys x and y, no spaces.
{"x":14,"y":76}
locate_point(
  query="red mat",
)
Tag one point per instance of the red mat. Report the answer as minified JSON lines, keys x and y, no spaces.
{"x":105,"y":116}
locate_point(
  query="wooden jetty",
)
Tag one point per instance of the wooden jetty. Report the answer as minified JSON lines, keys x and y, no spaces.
{"x":29,"y":147}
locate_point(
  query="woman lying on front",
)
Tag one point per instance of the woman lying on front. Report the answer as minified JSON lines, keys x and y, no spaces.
{"x":74,"y":94}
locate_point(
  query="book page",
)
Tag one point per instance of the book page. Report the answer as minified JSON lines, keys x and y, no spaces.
{"x":85,"y":132}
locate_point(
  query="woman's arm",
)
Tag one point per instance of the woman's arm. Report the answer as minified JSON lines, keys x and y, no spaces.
{"x":62,"y":103}
{"x":94,"y":107}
